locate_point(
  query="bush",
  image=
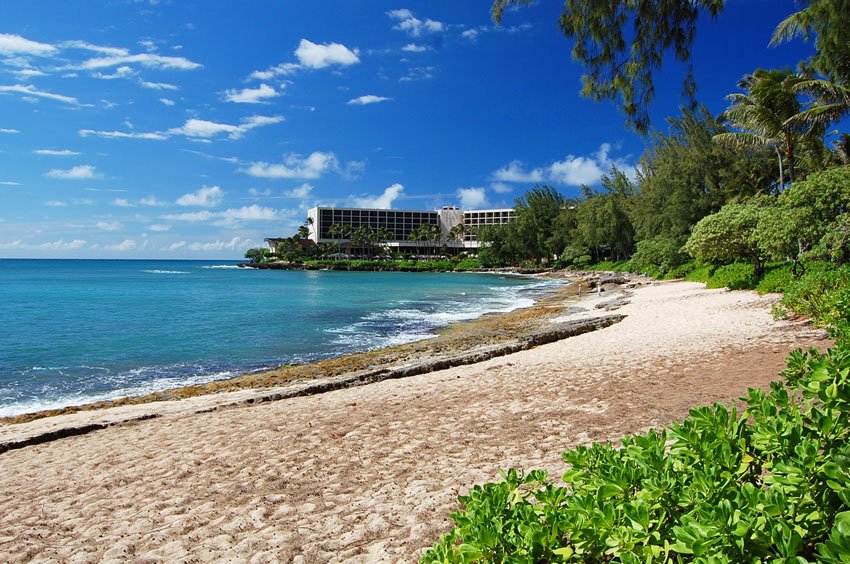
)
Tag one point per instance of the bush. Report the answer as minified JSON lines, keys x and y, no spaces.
{"x":467,"y":264}
{"x":821,"y":294}
{"x":659,"y":255}
{"x":777,"y":279}
{"x":735,"y":276}
{"x":682,"y":271}
{"x":607,"y":265}
{"x":771,"y":484}
{"x":700,"y":273}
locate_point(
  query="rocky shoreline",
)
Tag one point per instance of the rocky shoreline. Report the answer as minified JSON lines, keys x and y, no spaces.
{"x":387,"y":267}
{"x":461,"y":343}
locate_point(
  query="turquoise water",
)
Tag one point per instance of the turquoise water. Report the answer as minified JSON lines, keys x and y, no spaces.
{"x":75,"y":331}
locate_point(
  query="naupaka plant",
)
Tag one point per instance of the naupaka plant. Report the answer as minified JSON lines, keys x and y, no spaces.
{"x":769,"y":484}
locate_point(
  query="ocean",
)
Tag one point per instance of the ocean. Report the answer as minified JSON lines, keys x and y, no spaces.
{"x":77,"y":331}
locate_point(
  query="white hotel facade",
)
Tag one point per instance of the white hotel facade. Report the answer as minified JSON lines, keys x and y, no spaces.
{"x":402,"y":222}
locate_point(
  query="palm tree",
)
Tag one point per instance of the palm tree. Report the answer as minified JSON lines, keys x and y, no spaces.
{"x":335,"y":230}
{"x":382,"y":236}
{"x":458,"y":232}
{"x":831,"y":101}
{"x":841,"y":149}
{"x":767,"y":114}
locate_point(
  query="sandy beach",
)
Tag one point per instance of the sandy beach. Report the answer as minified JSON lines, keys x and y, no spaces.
{"x":370,"y":473}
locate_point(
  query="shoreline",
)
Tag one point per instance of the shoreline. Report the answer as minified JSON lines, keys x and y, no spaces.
{"x":370,"y":473}
{"x":491,"y":334}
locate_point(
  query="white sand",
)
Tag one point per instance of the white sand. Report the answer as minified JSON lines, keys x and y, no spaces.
{"x":369,"y":474}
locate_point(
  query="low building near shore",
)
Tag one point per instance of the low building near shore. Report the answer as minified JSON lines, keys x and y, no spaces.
{"x":403,"y":228}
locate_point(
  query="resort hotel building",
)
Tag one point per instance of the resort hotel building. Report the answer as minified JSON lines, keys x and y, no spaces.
{"x":327,"y":225}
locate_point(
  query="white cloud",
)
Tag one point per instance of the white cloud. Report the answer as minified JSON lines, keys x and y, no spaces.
{"x":205,"y":197}
{"x":123,"y":203}
{"x":205,"y":129}
{"x":7,"y":183}
{"x":408,"y":23}
{"x":157,"y":85}
{"x":501,"y":188}
{"x":8,"y":130}
{"x":56,"y":153}
{"x":251,"y":213}
{"x":514,"y":172}
{"x":353,"y":170}
{"x":76,"y":44}
{"x":190,"y":216}
{"x":26,"y":74}
{"x":367,"y":99}
{"x":471,"y":34}
{"x":152,"y":202}
{"x":283,"y":69}
{"x":259,"y":193}
{"x":158,"y":227}
{"x":122,"y":134}
{"x":17,"y":45}
{"x":414,"y":48}
{"x":228,"y":217}
{"x":125,"y":245}
{"x":472,"y":198}
{"x":81,"y":172}
{"x":237,"y":243}
{"x":176,"y":246}
{"x":29,"y":90}
{"x":384,"y":201}
{"x":293,"y":166}
{"x":148,"y":60}
{"x":571,"y":171}
{"x":418,"y":73}
{"x":197,"y":129}
{"x":167,"y":101}
{"x":300,"y":192}
{"x":311,"y":56}
{"x":56,"y":204}
{"x":109,"y":225}
{"x":120,"y":72}
{"x":62,"y":245}
{"x":315,"y":56}
{"x":251,"y":95}
{"x":577,"y":170}
{"x":16,"y":244}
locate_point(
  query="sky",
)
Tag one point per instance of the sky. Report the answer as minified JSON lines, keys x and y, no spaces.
{"x":196,"y":128}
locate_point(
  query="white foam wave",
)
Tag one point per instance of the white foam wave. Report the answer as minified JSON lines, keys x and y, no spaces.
{"x":165,"y":271}
{"x":221,"y":266}
{"x":155,"y":385}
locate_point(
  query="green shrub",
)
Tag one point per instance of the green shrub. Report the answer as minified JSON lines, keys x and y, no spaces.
{"x":681,"y":271}
{"x":821,"y":294}
{"x":700,"y":273}
{"x":467,"y":264}
{"x":771,"y":484}
{"x":607,"y":265}
{"x":776,"y":279}
{"x":735,"y":276}
{"x":659,"y":255}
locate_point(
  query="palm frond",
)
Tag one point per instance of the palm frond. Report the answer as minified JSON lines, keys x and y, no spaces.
{"x":795,"y":25}
{"x":747,"y":140}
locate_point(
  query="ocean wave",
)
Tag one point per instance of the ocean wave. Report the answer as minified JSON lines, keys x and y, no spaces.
{"x":165,"y":271}
{"x":161,"y":378}
{"x":221,"y":266}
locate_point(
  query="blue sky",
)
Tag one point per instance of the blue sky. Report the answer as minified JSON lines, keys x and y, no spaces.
{"x":194,"y":129}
